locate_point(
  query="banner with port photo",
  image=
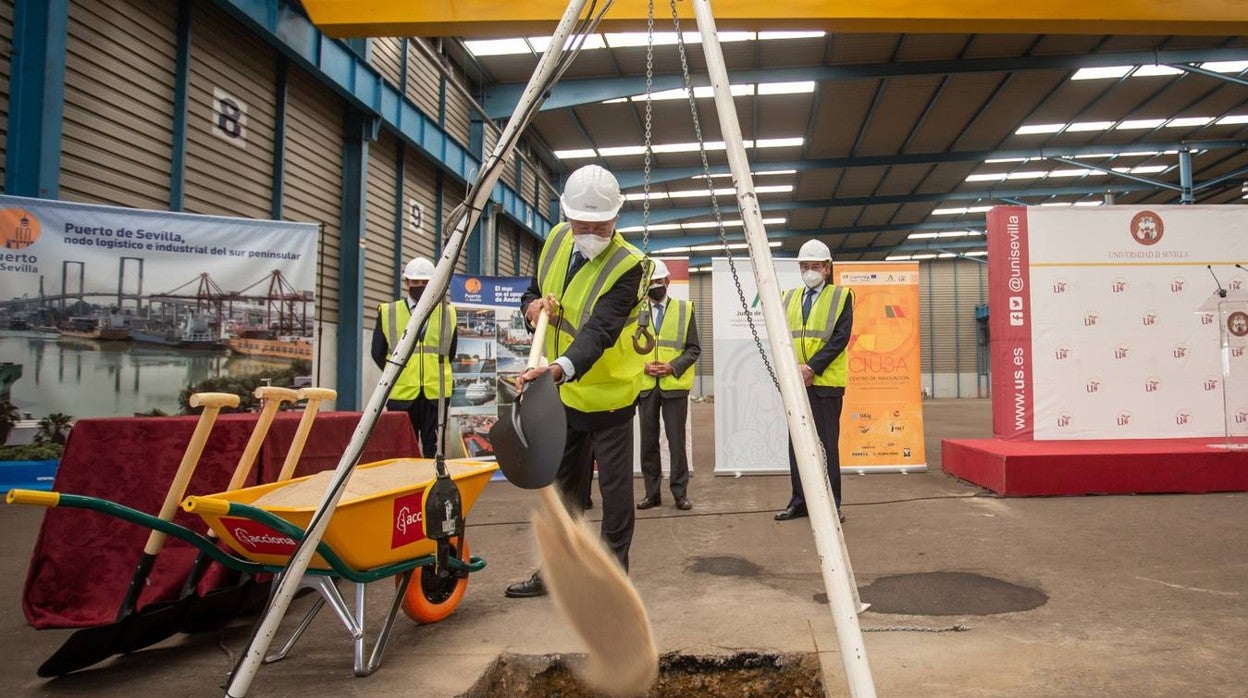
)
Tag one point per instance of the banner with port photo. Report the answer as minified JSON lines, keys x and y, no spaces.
{"x":1106,"y":322}
{"x":492,"y":350}
{"x":882,"y":418}
{"x":678,"y":268}
{"x":115,"y":310}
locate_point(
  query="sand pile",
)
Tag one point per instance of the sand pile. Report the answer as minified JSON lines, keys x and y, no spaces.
{"x":407,"y":473}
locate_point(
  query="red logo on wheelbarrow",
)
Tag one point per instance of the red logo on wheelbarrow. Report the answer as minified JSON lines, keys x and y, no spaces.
{"x":258,"y":538}
{"x":409,"y":519}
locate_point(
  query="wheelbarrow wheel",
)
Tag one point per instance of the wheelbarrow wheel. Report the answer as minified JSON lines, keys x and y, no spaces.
{"x":430,"y":599}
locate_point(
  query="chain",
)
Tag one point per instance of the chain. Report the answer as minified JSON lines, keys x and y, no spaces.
{"x":645,"y":180}
{"x":710,"y":185}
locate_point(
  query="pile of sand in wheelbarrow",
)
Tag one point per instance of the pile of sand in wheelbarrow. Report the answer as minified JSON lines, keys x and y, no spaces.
{"x":406,"y":473}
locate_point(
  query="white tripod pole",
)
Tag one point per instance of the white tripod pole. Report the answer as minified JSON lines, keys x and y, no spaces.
{"x":837,"y":578}
{"x":262,"y":636}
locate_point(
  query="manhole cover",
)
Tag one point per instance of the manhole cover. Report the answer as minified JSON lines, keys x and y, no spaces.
{"x":949,"y":594}
{"x":742,"y":674}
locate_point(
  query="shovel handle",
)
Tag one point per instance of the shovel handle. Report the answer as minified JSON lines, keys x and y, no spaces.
{"x":314,"y":396}
{"x":539,"y":339}
{"x":212,"y":404}
{"x":273,"y":397}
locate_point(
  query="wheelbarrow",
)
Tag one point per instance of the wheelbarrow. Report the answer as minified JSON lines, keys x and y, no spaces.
{"x":373,"y":537}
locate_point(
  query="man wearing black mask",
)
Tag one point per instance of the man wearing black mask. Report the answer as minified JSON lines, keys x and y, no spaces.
{"x":665,"y":391}
{"x":426,"y":378}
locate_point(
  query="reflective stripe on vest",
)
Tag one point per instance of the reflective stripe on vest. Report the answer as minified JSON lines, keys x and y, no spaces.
{"x":811,"y":335}
{"x":672,"y":336}
{"x":420,"y":374}
{"x":612,"y":382}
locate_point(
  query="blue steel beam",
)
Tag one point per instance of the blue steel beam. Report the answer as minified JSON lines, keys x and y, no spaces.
{"x":634,"y":178}
{"x":500,"y":100}
{"x":633,"y":218}
{"x":181,"y":90}
{"x":32,"y":154}
{"x":349,"y":75}
{"x":360,"y":129}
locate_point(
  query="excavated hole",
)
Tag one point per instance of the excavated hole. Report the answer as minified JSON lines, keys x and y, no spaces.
{"x":742,"y":674}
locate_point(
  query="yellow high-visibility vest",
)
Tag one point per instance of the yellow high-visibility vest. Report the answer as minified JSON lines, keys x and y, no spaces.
{"x":613,"y":381}
{"x":420,"y":374}
{"x":810,"y":336}
{"x":670,"y":343}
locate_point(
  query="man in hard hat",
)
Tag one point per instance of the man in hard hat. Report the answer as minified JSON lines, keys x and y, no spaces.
{"x":665,"y":390}
{"x":821,"y":319}
{"x":426,"y":378}
{"x":591,"y":282}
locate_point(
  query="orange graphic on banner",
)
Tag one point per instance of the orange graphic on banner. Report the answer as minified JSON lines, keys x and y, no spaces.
{"x":19,"y":229}
{"x":882,"y":418}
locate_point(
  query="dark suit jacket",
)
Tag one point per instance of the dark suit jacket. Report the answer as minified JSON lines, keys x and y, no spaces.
{"x":686,"y":359}
{"x":599,"y":333}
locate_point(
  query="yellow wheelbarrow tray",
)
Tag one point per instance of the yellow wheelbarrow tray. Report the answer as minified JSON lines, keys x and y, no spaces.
{"x":373,"y":531}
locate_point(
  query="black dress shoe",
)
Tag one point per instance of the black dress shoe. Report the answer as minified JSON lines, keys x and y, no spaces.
{"x":529,"y":588}
{"x":791,"y":513}
{"x":683,"y":503}
{"x":648,"y":502}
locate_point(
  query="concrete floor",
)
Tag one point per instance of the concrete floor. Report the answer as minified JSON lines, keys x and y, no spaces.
{"x":1147,"y":595}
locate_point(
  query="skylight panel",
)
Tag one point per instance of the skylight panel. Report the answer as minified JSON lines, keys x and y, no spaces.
{"x":786,"y":88}
{"x":1099,"y":73}
{"x":576,"y":153}
{"x":1039,"y":128}
{"x":1226,"y":66}
{"x":1233,"y":119}
{"x":1136,"y":124}
{"x":1080,"y":126}
{"x":1146,"y":71}
{"x":1189,"y":121}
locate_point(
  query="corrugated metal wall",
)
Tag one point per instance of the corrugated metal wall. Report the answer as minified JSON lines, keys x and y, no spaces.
{"x":423,"y":87}
{"x":949,"y":290}
{"x":508,"y":233}
{"x":118,"y":115}
{"x":379,"y":225}
{"x":313,"y":179}
{"x":387,"y":58}
{"x":529,"y":249}
{"x":420,"y":187}
{"x":229,"y":176}
{"x":6,"y":50}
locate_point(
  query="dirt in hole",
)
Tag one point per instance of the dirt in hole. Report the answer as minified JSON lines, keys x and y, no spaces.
{"x":743,"y":674}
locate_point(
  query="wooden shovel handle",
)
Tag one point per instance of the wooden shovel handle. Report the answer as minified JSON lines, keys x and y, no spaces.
{"x":539,"y":339}
{"x":212,"y":404}
{"x":273,"y":397}
{"x":314,"y":396}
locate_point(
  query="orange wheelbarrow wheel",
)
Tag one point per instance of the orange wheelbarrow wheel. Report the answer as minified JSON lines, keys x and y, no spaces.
{"x":430,"y":599}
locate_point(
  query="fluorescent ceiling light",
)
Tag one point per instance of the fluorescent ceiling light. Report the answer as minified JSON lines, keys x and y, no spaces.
{"x":753,"y":174}
{"x":731,"y":246}
{"x":1233,"y":119}
{"x":961,"y":210}
{"x":1146,"y":71}
{"x":897,"y":258}
{"x":976,"y":253}
{"x":1073,"y":172}
{"x":1027,"y":174}
{"x":780,"y":142}
{"x":943,"y":234}
{"x":1089,"y":203}
{"x":691,"y":193}
{"x":518,"y":45}
{"x":623,"y":150}
{"x":1147,"y":169}
{"x":575,"y":153}
{"x":996,"y":160}
{"x":1056,"y":203}
{"x":1135,"y":124}
{"x":922,"y":256}
{"x":698,"y":225}
{"x":993,"y":177}
{"x":1039,"y":128}
{"x":945,"y":255}
{"x":1189,"y":121}
{"x":786,"y":88}
{"x":1080,"y":126}
{"x":1109,"y":71}
{"x":1226,"y":66}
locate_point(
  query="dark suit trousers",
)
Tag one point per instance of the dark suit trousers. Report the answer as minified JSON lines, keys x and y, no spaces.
{"x":612,"y":447}
{"x":674,"y":411}
{"x":423,"y":414}
{"x":826,"y":412}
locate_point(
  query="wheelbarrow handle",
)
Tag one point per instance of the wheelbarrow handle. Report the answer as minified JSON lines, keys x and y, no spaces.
{"x":206,"y":506}
{"x":33,"y":498}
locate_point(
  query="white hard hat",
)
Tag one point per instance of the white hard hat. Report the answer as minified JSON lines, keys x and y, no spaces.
{"x":660,"y":272}
{"x":814,"y":251}
{"x":419,"y":269}
{"x":592,"y":194}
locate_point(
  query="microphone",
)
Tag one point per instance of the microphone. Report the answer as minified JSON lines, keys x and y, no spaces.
{"x":1221,"y":291}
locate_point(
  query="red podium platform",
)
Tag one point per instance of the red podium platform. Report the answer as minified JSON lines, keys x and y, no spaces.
{"x":1039,"y":468}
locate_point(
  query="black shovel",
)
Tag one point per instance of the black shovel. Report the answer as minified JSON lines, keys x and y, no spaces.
{"x":92,"y":645}
{"x":530,"y":435}
{"x":191,"y":612}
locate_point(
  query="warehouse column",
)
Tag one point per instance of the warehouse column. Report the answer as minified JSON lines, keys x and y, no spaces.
{"x":361,"y":129}
{"x":36,"y":94}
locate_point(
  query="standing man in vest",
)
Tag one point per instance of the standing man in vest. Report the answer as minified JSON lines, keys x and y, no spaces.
{"x":426,"y":378}
{"x":665,"y":390}
{"x":591,"y":282}
{"x":821,"y":318}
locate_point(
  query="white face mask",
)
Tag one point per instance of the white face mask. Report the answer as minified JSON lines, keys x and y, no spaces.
{"x":812,"y":277}
{"x":590,"y":245}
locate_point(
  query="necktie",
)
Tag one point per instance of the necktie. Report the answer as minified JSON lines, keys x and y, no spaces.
{"x":807,"y":299}
{"x":578,"y":261}
{"x":658,"y":317}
